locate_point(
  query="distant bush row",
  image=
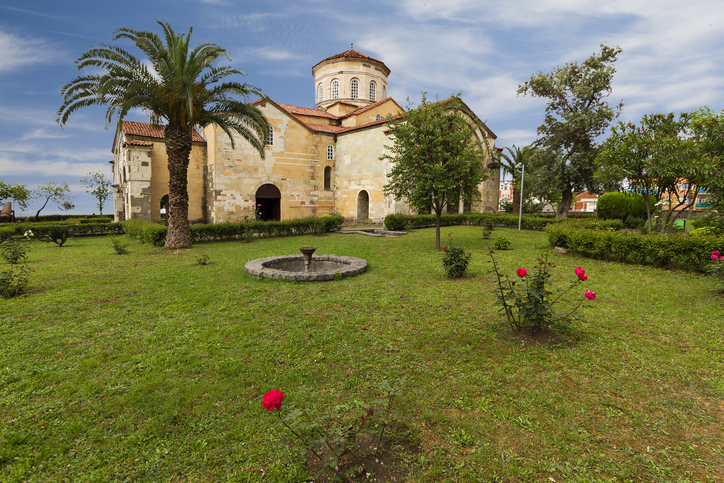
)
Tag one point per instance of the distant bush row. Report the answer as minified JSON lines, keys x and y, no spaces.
{"x":47,"y":218}
{"x":148,"y":232}
{"x":603,"y":240}
{"x":9,"y":230}
{"x":529,"y":222}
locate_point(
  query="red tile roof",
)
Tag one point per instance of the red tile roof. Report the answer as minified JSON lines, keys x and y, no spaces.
{"x":133,"y":128}
{"x":371,"y":106}
{"x":324,"y":128}
{"x":305,"y":111}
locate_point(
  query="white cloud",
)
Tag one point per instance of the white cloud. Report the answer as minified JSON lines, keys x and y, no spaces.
{"x":20,"y":52}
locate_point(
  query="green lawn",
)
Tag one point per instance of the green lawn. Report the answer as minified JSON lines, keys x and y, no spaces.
{"x":144,"y":367}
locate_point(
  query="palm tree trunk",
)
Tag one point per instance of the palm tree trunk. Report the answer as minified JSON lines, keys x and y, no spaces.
{"x":178,"y":149}
{"x":516,"y":200}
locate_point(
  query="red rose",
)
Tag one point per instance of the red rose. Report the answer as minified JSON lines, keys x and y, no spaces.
{"x":581,"y":273}
{"x":273,"y":400}
{"x":521,"y":272}
{"x":575,"y":216}
{"x":445,"y":248}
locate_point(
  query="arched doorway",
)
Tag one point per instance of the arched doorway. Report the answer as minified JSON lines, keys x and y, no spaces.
{"x":363,"y":206}
{"x":270,"y":199}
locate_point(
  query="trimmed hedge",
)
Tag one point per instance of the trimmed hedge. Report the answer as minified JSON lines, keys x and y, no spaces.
{"x":42,"y":229}
{"x":618,"y":206}
{"x":603,"y":240}
{"x":148,"y":232}
{"x":529,"y":222}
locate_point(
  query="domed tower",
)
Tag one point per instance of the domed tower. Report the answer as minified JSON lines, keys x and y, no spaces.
{"x":350,"y":77}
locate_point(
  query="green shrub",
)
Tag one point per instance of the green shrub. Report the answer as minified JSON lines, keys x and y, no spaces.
{"x":13,"y":251}
{"x":148,"y":232}
{"x":14,"y":280}
{"x":620,"y":206}
{"x":59,"y":234}
{"x":118,"y":247}
{"x":501,"y":243}
{"x":662,"y":250}
{"x":613,"y":206}
{"x":455,"y":259}
{"x":98,"y":219}
{"x":529,"y":222}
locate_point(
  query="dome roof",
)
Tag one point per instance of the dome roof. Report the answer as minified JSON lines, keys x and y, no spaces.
{"x":352,"y":54}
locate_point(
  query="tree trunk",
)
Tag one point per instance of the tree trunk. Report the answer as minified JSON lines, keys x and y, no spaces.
{"x":178,"y":149}
{"x":516,"y":200}
{"x":566,"y":200}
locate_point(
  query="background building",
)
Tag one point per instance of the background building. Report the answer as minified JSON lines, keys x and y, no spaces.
{"x":317,"y":161}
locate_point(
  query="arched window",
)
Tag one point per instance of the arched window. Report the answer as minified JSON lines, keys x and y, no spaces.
{"x":384,"y":92}
{"x":269,"y":135}
{"x":330,"y":152}
{"x":373,"y":89}
{"x":354,"y":89}
{"x":327,"y":179}
{"x":320,"y":93}
{"x":335,"y":89}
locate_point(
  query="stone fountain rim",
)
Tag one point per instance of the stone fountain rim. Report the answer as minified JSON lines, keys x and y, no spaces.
{"x":353,"y":266}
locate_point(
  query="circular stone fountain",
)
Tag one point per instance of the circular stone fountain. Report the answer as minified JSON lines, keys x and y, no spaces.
{"x":305,"y":267}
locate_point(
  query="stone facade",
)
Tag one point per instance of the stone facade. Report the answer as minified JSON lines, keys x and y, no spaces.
{"x":317,"y":161}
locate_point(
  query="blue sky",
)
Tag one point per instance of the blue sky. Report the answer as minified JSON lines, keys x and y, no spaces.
{"x":671,"y":61}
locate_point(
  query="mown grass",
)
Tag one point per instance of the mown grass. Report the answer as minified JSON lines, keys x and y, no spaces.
{"x":144,"y":367}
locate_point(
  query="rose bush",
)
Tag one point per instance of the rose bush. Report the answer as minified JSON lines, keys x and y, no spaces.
{"x":528,"y":303}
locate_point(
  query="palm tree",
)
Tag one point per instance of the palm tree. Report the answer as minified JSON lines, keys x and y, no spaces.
{"x":178,"y":86}
{"x":513,"y":164}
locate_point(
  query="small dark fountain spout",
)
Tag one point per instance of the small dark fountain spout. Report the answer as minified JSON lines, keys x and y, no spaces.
{"x":307,"y":255}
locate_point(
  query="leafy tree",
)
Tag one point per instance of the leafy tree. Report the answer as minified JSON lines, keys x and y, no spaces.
{"x":99,"y":186}
{"x":436,"y":159}
{"x":663,"y":157}
{"x":575,"y":116}
{"x":513,"y":164}
{"x":706,"y":130}
{"x":180,"y":86}
{"x":19,"y":193}
{"x":57,"y":193}
{"x":653,"y":158}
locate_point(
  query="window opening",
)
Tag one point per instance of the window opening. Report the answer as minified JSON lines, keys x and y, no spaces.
{"x":320,"y":93}
{"x":373,"y":88}
{"x":335,"y":89}
{"x":330,"y":152}
{"x":327,"y":179}
{"x":270,"y":135}
{"x":354,"y":89}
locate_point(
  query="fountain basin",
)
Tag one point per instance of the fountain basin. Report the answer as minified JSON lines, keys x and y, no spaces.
{"x":291,"y":267}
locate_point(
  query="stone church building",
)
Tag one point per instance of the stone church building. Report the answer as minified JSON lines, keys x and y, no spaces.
{"x":318,"y":160}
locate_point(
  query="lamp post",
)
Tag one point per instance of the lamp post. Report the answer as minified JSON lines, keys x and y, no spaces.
{"x":520,"y":210}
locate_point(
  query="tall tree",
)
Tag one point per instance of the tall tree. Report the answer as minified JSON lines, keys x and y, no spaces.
{"x":99,"y":186}
{"x":57,"y":193}
{"x":512,"y":164}
{"x":179,"y":86}
{"x":576,"y":115}
{"x":435,"y":159}
{"x":19,"y":193}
